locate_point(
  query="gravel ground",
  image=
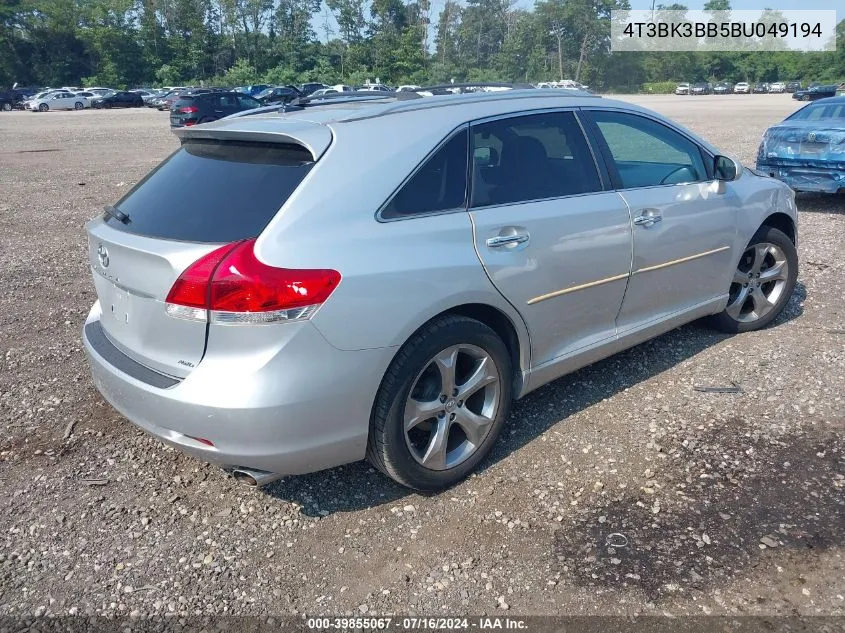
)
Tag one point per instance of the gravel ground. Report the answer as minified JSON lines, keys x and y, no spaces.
{"x":726,"y":503}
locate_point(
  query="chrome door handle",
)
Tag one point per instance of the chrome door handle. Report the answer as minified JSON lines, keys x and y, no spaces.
{"x":504,"y":240}
{"x":648,"y":219}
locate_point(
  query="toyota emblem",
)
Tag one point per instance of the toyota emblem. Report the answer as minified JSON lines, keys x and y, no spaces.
{"x":103,"y":255}
{"x":811,"y":137}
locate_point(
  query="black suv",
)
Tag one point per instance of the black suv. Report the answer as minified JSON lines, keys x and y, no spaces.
{"x":208,"y":106}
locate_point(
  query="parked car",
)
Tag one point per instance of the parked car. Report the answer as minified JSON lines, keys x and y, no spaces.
{"x":299,"y":340}
{"x":14,"y":98}
{"x":413,"y":87}
{"x":27,"y":103}
{"x":815,"y":91}
{"x":723,"y":88}
{"x":310,"y":87}
{"x":742,"y":87}
{"x":777,"y":87}
{"x":58,"y":101}
{"x":806,"y":150}
{"x":278,"y":94}
{"x":166,"y":100}
{"x":90,"y":97}
{"x":760,"y":88}
{"x":792,"y":86}
{"x":322,"y":92}
{"x":682,"y":89}
{"x":206,"y":107}
{"x":702,"y":89}
{"x":121,"y":99}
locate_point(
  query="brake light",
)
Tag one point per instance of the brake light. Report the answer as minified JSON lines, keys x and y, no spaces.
{"x":188,"y":110}
{"x":230,"y":286}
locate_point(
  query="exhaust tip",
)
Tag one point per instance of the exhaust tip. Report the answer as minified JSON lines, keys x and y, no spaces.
{"x":242,"y":476}
{"x":253,"y":477}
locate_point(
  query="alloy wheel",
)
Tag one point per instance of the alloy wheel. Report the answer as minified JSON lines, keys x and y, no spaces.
{"x":451,"y":406}
{"x":758,"y":283}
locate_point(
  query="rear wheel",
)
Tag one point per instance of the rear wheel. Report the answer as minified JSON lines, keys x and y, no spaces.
{"x":43,"y":107}
{"x":7,"y":106}
{"x":762,"y":283}
{"x":441,"y":404}
{"x":78,"y":105}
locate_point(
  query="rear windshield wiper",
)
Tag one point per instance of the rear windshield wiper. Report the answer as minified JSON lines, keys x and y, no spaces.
{"x":116,"y":213}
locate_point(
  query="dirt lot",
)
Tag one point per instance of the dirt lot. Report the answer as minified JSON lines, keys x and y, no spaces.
{"x":730,"y":503}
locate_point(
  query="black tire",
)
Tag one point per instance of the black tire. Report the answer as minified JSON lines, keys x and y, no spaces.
{"x":387,"y":449}
{"x":726,"y":323}
{"x":7,"y":106}
{"x":43,"y":107}
{"x":78,"y":105}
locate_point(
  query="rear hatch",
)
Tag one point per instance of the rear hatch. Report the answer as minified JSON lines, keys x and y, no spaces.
{"x":208,"y":193}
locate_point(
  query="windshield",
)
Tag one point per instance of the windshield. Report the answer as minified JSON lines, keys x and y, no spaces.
{"x":821,"y":112}
{"x":264,"y":93}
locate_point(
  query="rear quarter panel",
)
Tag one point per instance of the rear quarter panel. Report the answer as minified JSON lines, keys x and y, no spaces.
{"x":396,"y":275}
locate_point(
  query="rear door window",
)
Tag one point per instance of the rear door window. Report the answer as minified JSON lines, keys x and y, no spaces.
{"x":531,"y":157}
{"x":214,"y":191}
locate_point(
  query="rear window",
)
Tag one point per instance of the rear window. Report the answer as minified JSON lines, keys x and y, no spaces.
{"x":214,"y":191}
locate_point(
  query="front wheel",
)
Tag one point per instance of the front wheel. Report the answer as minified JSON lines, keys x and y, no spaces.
{"x":7,"y":106}
{"x":762,"y":283}
{"x":441,"y":404}
{"x":78,"y":105}
{"x":43,"y":107}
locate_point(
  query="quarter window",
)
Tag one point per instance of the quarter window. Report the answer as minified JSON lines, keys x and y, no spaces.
{"x":439,"y":185}
{"x":531,"y":158}
{"x":646,"y":153}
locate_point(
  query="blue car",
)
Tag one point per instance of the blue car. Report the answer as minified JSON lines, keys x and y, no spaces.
{"x":807,"y":150}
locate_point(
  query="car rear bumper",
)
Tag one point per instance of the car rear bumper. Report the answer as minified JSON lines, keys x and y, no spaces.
{"x":299,"y":407}
{"x":806,"y":178}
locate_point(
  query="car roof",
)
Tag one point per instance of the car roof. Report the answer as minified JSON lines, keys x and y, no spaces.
{"x":437,"y":114}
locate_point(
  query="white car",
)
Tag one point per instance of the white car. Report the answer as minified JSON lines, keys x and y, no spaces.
{"x":742,"y":88}
{"x":778,"y":86}
{"x":41,"y":95}
{"x":58,"y":101}
{"x":408,"y":88}
{"x":89,"y":97}
{"x":682,"y":89}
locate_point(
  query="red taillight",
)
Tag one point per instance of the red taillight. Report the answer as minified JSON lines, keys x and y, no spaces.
{"x":188,"y":110}
{"x":237,"y":288}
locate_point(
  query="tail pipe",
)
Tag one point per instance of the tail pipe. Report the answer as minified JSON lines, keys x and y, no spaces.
{"x":253,"y":477}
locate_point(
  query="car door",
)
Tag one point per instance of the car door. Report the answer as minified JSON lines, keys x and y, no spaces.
{"x":684,"y":220}
{"x":227,"y":104}
{"x":552,"y":237}
{"x":62,"y":100}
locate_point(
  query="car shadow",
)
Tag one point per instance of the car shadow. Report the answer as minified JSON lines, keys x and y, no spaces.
{"x":358,"y":486}
{"x":820,"y":203}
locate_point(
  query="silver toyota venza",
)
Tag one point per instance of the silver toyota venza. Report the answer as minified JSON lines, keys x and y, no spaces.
{"x":379,"y":277}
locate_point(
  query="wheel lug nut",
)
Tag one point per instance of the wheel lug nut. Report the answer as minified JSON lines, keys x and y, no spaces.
{"x":443,"y":398}
{"x":460,"y":403}
{"x":454,"y":392}
{"x":441,"y":415}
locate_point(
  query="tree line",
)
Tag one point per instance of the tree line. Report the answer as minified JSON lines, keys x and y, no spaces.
{"x":132,"y":43}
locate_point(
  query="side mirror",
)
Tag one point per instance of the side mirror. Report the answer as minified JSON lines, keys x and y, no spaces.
{"x":726,"y":169}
